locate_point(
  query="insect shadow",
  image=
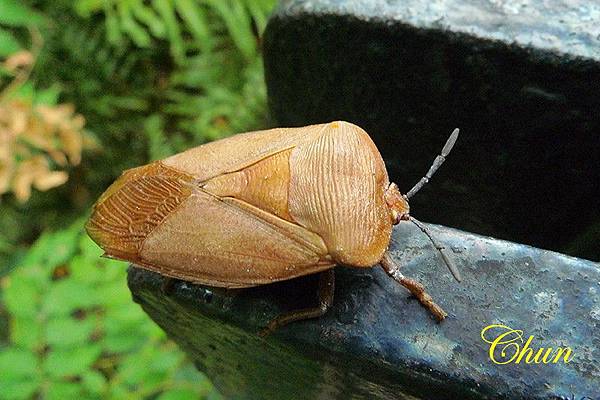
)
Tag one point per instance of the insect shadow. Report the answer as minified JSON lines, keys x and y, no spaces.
{"x":352,"y":293}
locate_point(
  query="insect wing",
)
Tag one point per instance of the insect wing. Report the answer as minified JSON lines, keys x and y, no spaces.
{"x":229,"y":243}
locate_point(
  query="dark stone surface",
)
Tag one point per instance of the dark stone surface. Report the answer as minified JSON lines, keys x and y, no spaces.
{"x":377,"y":343}
{"x":521,"y":79}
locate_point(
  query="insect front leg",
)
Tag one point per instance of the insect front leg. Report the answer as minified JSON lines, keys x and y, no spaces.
{"x":414,"y":287}
{"x":325,"y":293}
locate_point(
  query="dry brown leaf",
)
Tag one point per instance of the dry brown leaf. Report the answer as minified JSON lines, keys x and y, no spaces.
{"x":24,"y":177}
{"x":56,"y":115}
{"x":37,"y":139}
{"x":6,"y":172}
{"x":6,"y":143}
{"x":78,"y":122}
{"x":18,"y":117}
{"x":18,"y":60}
{"x":23,"y":180}
{"x":49,"y":179}
{"x":25,"y":131}
{"x":58,"y":157}
{"x":72,"y":143}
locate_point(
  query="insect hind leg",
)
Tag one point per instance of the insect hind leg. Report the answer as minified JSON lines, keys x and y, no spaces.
{"x":325,"y":293}
{"x":414,"y":287}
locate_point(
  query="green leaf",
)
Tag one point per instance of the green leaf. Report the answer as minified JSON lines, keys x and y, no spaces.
{"x":237,"y":21}
{"x":26,"y":332}
{"x":48,"y":96}
{"x":129,"y":103}
{"x":214,"y":395}
{"x":114,"y":294}
{"x":33,"y":275}
{"x":153,"y":331}
{"x":15,"y":13}
{"x":68,"y":295}
{"x":165,"y":361}
{"x":62,"y":246}
{"x":130,"y":26}
{"x":85,"y":270}
{"x":88,"y":248}
{"x":150,"y":381}
{"x":159,"y":147}
{"x":260,"y":12}
{"x":85,"y":8}
{"x":18,"y":389}
{"x":16,"y":363}
{"x":53,"y":249}
{"x":118,"y":392}
{"x":63,"y":390}
{"x":128,"y":313}
{"x":113,"y":31}
{"x":147,"y":16}
{"x":14,"y":257}
{"x":196,"y":21}
{"x":166,"y":11}
{"x":188,"y":373}
{"x":68,"y":332}
{"x":119,"y":343}
{"x":120,"y":337}
{"x":93,"y":381}
{"x":25,"y":91}
{"x":21,"y":297}
{"x":38,"y":251}
{"x":8,"y":44}
{"x":178,"y":394}
{"x":96,"y":270}
{"x":71,"y":362}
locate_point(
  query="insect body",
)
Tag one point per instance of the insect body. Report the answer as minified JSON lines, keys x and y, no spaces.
{"x":261,"y":207}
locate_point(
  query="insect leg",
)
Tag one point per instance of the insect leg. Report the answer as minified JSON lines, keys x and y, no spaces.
{"x":414,"y":287}
{"x":325,"y":293}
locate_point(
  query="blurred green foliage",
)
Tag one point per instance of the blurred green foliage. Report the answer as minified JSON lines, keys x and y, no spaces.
{"x":75,"y":332}
{"x":151,"y":78}
{"x":195,"y":76}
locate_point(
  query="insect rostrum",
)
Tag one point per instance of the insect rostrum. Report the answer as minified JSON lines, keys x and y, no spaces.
{"x":261,"y":207}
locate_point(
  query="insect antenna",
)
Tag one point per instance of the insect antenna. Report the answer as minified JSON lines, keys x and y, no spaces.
{"x":439,"y":160}
{"x":438,"y":246}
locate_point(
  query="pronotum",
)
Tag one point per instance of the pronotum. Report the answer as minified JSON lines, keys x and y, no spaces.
{"x":261,"y":207}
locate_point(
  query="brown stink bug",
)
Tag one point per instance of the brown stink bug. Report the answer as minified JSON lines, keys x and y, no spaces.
{"x":262,"y":207}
